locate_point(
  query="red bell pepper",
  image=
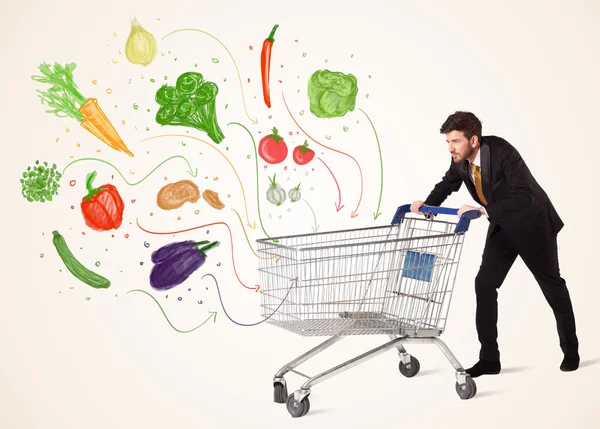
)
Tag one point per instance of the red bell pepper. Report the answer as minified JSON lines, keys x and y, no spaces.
{"x":102,"y":207}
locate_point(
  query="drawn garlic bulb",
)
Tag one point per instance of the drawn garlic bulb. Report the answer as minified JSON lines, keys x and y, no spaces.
{"x":295,"y":194}
{"x":275,"y":193}
{"x":141,"y":47}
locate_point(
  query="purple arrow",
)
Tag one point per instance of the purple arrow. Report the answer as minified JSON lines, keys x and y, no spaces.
{"x":294,"y":283}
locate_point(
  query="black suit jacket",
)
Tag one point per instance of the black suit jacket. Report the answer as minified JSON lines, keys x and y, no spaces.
{"x":515,"y":200}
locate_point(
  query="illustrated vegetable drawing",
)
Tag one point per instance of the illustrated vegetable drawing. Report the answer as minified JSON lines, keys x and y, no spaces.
{"x":175,"y":262}
{"x":174,"y":195}
{"x":265,"y":65}
{"x":272,"y":148}
{"x":213,"y":200}
{"x":332,"y":94}
{"x":102,"y":207}
{"x":190,"y":103}
{"x":140,"y":47}
{"x":65,"y":100}
{"x":40,"y":183}
{"x":75,"y":267}
{"x":302,"y":154}
{"x":275,"y":193}
{"x":295,"y":194}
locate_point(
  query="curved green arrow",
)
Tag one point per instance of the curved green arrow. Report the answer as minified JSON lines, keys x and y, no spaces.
{"x":257,"y":189}
{"x":193,"y":174}
{"x":376,"y":215}
{"x":213,"y":314}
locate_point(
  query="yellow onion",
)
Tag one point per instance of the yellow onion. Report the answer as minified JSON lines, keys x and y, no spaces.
{"x":140,"y":47}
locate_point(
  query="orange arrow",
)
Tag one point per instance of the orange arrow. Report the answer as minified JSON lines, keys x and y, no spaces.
{"x":250,"y":225}
{"x":248,"y":240}
{"x":338,"y":205}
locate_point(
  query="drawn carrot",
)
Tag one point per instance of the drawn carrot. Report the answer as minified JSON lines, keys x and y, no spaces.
{"x":64,"y":100}
{"x":265,"y":65}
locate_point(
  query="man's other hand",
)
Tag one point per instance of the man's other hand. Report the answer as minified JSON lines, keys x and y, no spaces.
{"x":466,"y":208}
{"x":415,"y":206}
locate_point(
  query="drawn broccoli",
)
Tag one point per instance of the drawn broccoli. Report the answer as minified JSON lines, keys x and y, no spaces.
{"x":332,"y":94}
{"x":190,"y":103}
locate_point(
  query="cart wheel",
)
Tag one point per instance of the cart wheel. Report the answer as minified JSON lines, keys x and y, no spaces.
{"x":466,"y":390}
{"x":280,"y":393}
{"x":300,"y":409}
{"x":411,"y":369}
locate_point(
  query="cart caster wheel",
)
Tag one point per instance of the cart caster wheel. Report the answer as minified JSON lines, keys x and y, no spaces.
{"x":466,"y":390}
{"x":280,"y":393}
{"x":297,"y":409}
{"x":411,"y":369}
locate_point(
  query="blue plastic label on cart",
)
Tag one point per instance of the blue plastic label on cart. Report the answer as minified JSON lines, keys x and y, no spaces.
{"x":418,"y":266}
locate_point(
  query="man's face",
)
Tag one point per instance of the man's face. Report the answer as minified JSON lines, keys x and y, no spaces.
{"x":459,"y":146}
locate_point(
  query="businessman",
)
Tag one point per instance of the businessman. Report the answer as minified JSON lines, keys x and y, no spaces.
{"x":523,"y":222}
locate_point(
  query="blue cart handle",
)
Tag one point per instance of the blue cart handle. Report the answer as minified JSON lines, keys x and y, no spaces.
{"x":430,"y":211}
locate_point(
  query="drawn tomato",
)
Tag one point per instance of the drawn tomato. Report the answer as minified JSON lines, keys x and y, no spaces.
{"x":272,"y":148}
{"x":302,"y":154}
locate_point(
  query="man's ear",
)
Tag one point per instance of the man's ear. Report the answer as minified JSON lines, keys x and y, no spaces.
{"x":474,"y":140}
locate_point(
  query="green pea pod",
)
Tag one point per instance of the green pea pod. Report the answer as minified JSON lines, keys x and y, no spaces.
{"x":82,"y":273}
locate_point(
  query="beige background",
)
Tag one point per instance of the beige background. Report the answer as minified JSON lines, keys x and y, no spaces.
{"x":528,"y":71}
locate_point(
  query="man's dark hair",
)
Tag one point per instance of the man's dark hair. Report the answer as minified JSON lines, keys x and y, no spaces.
{"x":466,"y":122}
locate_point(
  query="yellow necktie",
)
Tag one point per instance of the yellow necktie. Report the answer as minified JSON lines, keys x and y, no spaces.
{"x":478,"y":186}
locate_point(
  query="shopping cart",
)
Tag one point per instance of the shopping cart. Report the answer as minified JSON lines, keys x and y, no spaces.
{"x":396,"y":280}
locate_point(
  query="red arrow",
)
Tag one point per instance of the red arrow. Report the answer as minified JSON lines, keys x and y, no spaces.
{"x":255,"y":288}
{"x":354,"y":212}
{"x":338,"y":205}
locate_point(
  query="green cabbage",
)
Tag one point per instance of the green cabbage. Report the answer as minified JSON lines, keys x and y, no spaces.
{"x":332,"y":94}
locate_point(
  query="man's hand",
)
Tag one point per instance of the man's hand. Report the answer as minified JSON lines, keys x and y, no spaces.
{"x":415,"y":206}
{"x":465,"y":208}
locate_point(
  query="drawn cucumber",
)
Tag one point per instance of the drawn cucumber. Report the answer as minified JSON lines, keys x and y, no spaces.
{"x":87,"y":276}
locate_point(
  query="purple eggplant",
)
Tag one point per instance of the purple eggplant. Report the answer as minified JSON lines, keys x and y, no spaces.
{"x":175,"y":262}
{"x":172,"y":249}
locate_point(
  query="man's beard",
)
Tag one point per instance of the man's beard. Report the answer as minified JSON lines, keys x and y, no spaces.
{"x":470,"y":152}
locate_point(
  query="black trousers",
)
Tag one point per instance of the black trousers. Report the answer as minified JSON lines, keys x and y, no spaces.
{"x":499,"y":254}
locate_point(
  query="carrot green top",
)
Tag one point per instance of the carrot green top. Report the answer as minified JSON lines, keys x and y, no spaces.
{"x":63,"y":97}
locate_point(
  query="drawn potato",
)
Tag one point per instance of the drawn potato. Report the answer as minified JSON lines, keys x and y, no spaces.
{"x":212,"y":198}
{"x":174,"y":195}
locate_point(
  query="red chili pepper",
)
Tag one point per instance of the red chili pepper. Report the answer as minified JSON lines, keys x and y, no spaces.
{"x":102,"y":207}
{"x":265,"y":65}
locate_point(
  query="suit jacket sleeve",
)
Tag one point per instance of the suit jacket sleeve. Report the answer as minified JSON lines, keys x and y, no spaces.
{"x":521,"y":195}
{"x":451,"y":182}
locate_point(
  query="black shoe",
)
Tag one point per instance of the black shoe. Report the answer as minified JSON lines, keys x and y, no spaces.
{"x":484,"y":367}
{"x":570,"y":363}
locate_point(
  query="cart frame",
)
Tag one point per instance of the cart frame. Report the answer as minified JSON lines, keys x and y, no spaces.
{"x":408,"y":299}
